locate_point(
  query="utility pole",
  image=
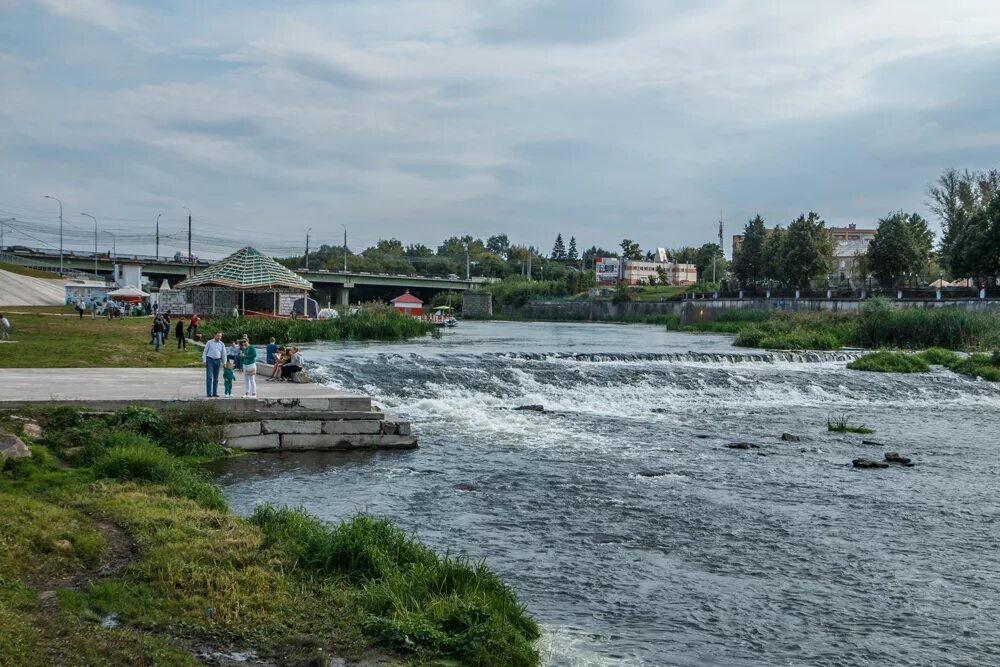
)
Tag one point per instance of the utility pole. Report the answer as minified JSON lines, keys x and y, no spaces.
{"x":721,"y":247}
{"x":95,"y":240}
{"x":345,"y":246}
{"x":60,"y":232}
{"x":307,"y":247}
{"x":158,"y":236}
{"x":468,"y":266}
{"x":531,"y":253}
{"x":189,"y":234}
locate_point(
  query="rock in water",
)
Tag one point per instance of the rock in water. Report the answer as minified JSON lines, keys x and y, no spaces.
{"x":788,"y":437}
{"x":742,"y":445}
{"x":868,"y":463}
{"x":531,"y":408}
{"x":11,"y":447}
{"x":872,"y":442}
{"x":894,"y":457}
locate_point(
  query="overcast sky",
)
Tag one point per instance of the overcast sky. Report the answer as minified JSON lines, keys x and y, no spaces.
{"x":422,"y":120}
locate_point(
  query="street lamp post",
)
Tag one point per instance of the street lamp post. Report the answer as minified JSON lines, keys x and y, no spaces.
{"x":345,"y":246}
{"x":95,"y":240}
{"x":307,"y":247}
{"x":189,"y":233}
{"x":60,"y":232}
{"x":158,"y":236}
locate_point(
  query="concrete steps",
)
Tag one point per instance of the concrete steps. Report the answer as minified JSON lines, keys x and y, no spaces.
{"x":318,"y":433}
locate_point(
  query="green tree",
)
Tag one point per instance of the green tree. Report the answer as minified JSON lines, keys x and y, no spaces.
{"x":809,"y":248}
{"x":958,"y":198}
{"x":685,"y":255}
{"x":773,"y":256}
{"x":499,"y":245}
{"x":572,"y":254}
{"x":901,"y":247}
{"x":748,"y":261}
{"x":418,"y":250}
{"x":710,"y":256}
{"x":630,"y":249}
{"x":559,"y":249}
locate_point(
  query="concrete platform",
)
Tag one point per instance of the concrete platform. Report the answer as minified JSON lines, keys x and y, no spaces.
{"x":112,"y":388}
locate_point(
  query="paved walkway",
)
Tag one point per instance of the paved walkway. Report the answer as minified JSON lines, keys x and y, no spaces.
{"x":137,"y":384}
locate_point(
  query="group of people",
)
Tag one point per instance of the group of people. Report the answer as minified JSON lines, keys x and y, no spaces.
{"x":111,"y":308}
{"x":161,"y":329}
{"x":286,"y":361}
{"x":241,"y":356}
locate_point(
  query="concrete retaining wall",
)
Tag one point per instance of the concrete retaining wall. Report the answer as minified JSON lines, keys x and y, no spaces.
{"x":315,"y":434}
{"x":477,"y":305}
{"x":705,"y":309}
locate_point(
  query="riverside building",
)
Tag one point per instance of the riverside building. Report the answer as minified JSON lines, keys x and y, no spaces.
{"x":610,"y":270}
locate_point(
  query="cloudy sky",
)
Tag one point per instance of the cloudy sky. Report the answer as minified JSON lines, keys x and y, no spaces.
{"x":422,"y":120}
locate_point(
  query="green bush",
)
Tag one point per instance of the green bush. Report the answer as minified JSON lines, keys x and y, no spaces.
{"x":939,"y":356}
{"x":416,"y":600}
{"x":885,"y":361}
{"x":143,"y":461}
{"x":374,"y":322}
{"x":985,"y":366}
{"x":882,"y":325}
{"x":840,"y":424}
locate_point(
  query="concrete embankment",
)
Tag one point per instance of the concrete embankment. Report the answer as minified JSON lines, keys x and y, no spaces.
{"x":18,"y":290}
{"x":285,"y":417}
{"x":695,"y":310}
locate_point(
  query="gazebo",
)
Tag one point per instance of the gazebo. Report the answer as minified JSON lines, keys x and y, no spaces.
{"x":408,"y":304}
{"x":247,"y":280}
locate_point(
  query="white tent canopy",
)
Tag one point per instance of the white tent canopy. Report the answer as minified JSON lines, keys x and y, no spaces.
{"x":128,"y":292}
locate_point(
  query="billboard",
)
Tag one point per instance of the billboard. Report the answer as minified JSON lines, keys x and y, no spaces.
{"x":608,"y":270}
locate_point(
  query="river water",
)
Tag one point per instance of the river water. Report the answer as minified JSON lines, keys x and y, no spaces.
{"x":635,"y":536}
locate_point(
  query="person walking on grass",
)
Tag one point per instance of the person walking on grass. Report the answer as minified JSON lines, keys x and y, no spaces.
{"x":193,"y":327}
{"x":4,"y":328}
{"x":179,"y":330}
{"x":249,"y":358}
{"x":227,"y":377}
{"x":158,"y":331}
{"x":211,"y":358}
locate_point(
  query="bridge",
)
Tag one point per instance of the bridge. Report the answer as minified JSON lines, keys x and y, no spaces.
{"x":334,"y":283}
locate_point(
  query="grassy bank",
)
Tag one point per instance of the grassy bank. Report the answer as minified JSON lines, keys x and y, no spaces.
{"x":877,"y":325}
{"x":25,"y":271}
{"x":124,"y":553}
{"x":375,"y":322}
{"x":54,"y":337}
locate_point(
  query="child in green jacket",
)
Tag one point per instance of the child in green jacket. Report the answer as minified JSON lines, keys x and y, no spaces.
{"x":228,"y":376}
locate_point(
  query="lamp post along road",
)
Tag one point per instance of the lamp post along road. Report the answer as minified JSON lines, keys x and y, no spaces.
{"x":307,"y":247}
{"x":345,"y":246}
{"x":60,"y":232}
{"x":158,"y":236}
{"x":95,"y":240}
{"x":189,"y":233}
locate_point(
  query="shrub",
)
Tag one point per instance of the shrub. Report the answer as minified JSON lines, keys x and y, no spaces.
{"x":144,"y":421}
{"x":416,"y":600}
{"x":143,"y":461}
{"x":939,"y":356}
{"x":374,"y":322}
{"x":885,"y":361}
{"x":881,"y":325}
{"x":983,"y":366}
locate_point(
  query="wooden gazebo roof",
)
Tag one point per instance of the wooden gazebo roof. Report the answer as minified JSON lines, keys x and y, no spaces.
{"x":246,"y":269}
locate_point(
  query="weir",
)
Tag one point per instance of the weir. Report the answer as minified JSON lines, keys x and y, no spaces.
{"x":284,"y":417}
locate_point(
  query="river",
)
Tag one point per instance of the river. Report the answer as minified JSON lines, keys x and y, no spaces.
{"x":635,"y":536}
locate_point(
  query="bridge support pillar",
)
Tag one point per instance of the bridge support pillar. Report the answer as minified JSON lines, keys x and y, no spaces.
{"x":343,"y":296}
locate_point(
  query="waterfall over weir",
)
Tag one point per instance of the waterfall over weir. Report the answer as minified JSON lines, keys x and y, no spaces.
{"x":630,"y":530}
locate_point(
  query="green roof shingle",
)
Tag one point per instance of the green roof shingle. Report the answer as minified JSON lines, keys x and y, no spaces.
{"x":246,"y":269}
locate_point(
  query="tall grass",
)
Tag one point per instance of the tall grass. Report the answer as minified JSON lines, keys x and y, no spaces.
{"x":374,"y":322}
{"x":416,"y":600}
{"x":885,"y":361}
{"x":143,"y":461}
{"x":881,"y":325}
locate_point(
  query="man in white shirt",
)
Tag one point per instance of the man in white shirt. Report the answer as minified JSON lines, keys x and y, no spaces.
{"x":211,"y":358}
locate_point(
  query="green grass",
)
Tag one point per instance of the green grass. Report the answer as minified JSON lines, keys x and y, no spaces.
{"x":885,"y":361}
{"x":416,"y":600}
{"x":658,"y":292}
{"x":25,"y":271}
{"x":375,"y":322}
{"x":937,"y":356}
{"x":985,"y":366}
{"x":840,"y":424}
{"x":284,"y":584}
{"x":882,"y":325}
{"x":49,"y":340}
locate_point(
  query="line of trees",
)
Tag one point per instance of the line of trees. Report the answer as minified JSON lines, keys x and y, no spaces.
{"x":968,"y":204}
{"x":792,"y":255}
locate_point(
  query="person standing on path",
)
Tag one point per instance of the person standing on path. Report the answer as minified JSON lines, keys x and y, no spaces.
{"x":193,"y":327}
{"x":248,"y":354}
{"x":211,"y":358}
{"x":179,"y":330}
{"x":227,"y":377}
{"x":4,"y":328}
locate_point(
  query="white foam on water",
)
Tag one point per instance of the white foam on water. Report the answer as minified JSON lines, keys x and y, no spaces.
{"x":570,"y":647}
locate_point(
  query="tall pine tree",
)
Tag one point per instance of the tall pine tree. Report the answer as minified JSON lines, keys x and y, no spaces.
{"x":571,"y":254}
{"x":559,"y":249}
